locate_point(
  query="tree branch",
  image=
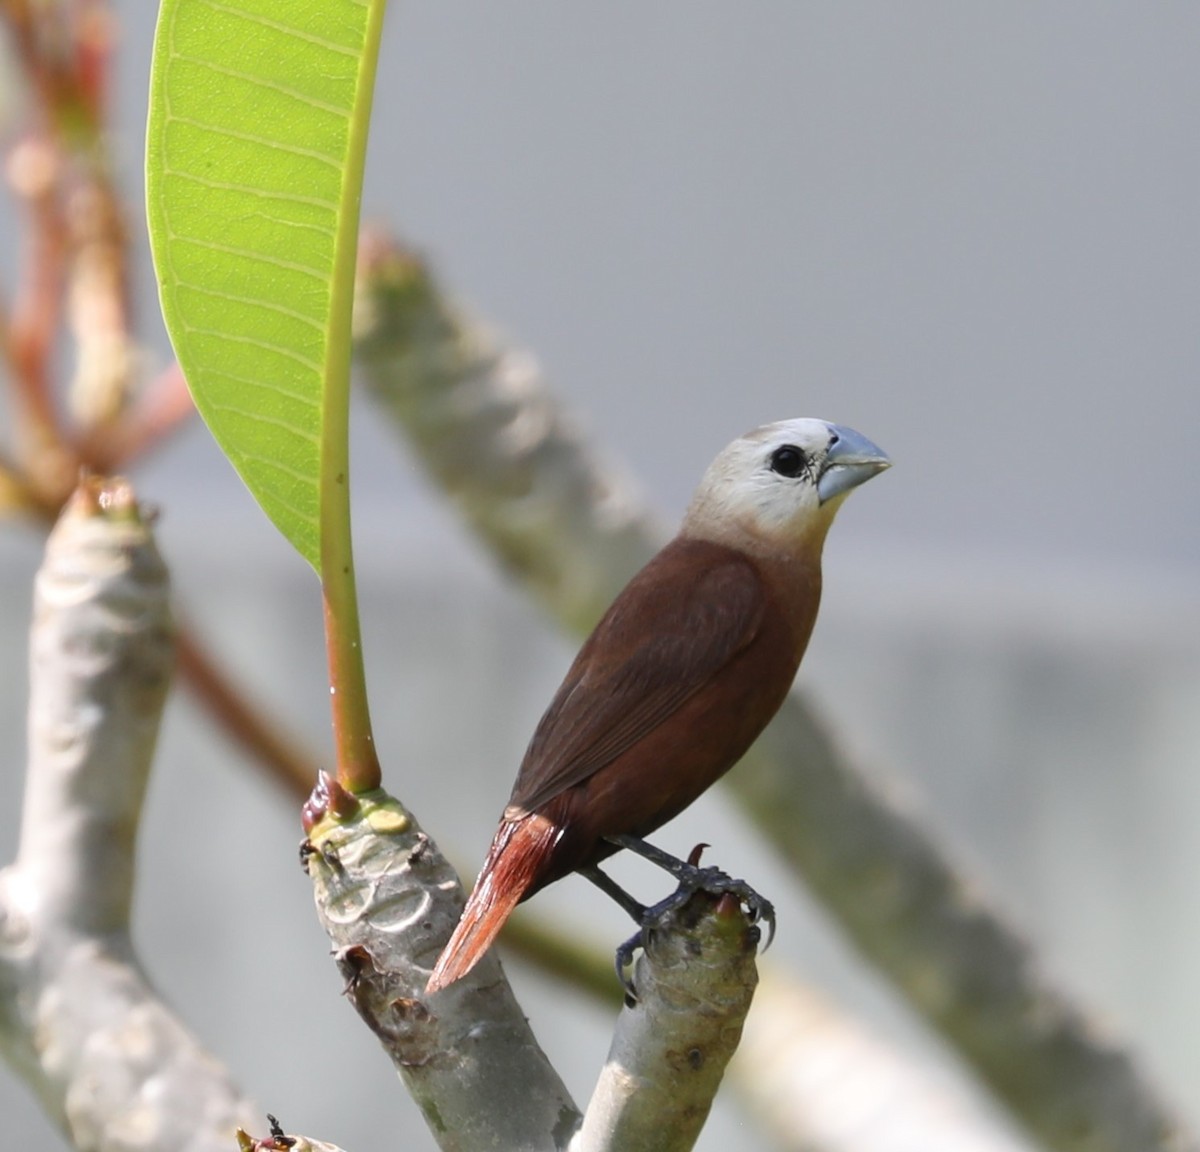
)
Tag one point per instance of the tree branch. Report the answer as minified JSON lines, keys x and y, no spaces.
{"x":388,"y":900}
{"x":694,"y":981}
{"x":111,"y":1064}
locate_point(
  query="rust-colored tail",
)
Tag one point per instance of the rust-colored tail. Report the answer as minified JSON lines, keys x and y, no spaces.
{"x":515,"y":862}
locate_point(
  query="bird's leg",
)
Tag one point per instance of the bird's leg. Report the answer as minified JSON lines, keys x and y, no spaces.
{"x":613,"y":890}
{"x":624,"y":956}
{"x":693,"y":878}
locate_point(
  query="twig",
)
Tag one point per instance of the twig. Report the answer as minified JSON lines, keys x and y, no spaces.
{"x":162,"y":409}
{"x":695,"y":982}
{"x":78,"y":1019}
{"x":19,"y":495}
{"x":97,"y":296}
{"x":483,"y":422}
{"x":34,"y":170}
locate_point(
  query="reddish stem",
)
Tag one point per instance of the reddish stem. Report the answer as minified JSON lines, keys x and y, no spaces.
{"x":36,"y":312}
{"x":94,"y":27}
{"x":285,"y":761}
{"x":163,"y":408}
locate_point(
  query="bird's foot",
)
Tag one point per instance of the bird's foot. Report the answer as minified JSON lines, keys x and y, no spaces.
{"x":692,"y":879}
{"x":715,"y":882}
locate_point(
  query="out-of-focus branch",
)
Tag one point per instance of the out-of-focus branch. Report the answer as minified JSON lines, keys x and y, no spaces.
{"x":483,"y":422}
{"x":564,"y":954}
{"x":229,"y":703}
{"x":97,"y":297}
{"x":162,"y":408}
{"x":818,"y":1081}
{"x":33,"y":169}
{"x":78,"y":1018}
{"x":388,"y":900}
{"x":564,"y":521}
{"x":21,"y":498}
{"x":78,"y":237}
{"x":273,"y":749}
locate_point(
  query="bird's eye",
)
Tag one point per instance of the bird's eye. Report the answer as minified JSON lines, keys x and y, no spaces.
{"x":788,"y":461}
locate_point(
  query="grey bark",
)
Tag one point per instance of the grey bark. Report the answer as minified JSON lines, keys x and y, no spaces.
{"x":388,"y":900}
{"x":78,"y":1018}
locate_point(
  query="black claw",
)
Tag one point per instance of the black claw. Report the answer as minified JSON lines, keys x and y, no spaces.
{"x":767,"y":915}
{"x":718,"y":883}
{"x":624,"y":962}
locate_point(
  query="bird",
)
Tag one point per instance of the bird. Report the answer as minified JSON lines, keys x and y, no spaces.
{"x":684,"y":669}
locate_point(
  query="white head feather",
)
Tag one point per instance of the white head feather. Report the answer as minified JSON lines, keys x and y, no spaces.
{"x":778,"y":487}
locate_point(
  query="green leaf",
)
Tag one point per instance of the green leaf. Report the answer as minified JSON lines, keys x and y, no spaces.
{"x":254,"y":159}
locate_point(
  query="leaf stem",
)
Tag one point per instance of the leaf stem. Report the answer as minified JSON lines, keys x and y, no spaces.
{"x":357,"y":761}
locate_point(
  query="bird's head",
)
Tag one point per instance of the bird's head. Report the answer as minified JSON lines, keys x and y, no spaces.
{"x":780,"y":485}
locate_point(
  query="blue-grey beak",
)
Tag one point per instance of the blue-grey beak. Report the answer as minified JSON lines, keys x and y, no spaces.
{"x":851,"y":460}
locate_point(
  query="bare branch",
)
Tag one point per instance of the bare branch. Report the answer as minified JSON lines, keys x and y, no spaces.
{"x":78,"y":1018}
{"x":694,"y":983}
{"x":485,"y":425}
{"x":388,"y":900}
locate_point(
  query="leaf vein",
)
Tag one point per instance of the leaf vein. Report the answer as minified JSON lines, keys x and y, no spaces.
{"x":249,"y":190}
{"x":271,"y":421}
{"x":255,"y":301}
{"x":334,"y":162}
{"x":280,"y":26}
{"x":257,"y":342}
{"x":251,"y":382}
{"x":250,"y":254}
{"x":295,"y":474}
{"x":261,"y":82}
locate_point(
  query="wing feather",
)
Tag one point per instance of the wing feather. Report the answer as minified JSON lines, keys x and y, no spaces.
{"x":665,"y":637}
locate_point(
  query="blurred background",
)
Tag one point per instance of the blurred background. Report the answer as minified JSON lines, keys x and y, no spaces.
{"x":971,"y":232}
